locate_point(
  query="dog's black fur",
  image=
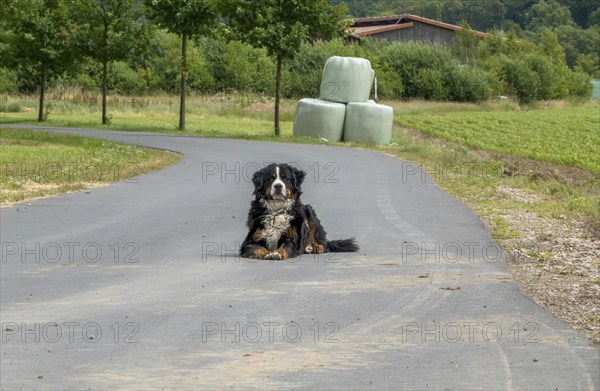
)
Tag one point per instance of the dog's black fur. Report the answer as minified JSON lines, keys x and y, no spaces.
{"x":280,"y":225}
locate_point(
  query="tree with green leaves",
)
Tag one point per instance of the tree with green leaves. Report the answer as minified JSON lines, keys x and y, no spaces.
{"x":281,"y":26}
{"x":110,"y":30}
{"x":187,"y":19}
{"x":39,"y":40}
{"x":466,"y":44}
{"x":549,"y":14}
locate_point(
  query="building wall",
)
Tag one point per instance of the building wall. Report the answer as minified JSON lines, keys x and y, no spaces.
{"x":419,"y":32}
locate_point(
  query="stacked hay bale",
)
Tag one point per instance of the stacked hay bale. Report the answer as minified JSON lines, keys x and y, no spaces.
{"x":344,"y":111}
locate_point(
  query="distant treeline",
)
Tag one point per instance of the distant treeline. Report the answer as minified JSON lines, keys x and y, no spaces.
{"x":141,"y":58}
{"x":575,"y":22}
{"x":472,"y":70}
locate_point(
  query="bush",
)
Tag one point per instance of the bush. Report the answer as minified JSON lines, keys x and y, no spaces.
{"x":125,"y":80}
{"x":580,"y":84}
{"x":429,"y":84}
{"x":410,"y":60}
{"x":521,"y":81}
{"x":468,"y":84}
{"x":10,"y":107}
{"x":389,"y":83}
{"x":247,"y":68}
{"x":547,"y":75}
{"x":8,"y":81}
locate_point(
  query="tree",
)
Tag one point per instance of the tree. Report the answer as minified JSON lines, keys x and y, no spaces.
{"x":548,"y":13}
{"x":587,"y":63}
{"x":466,"y":44}
{"x":40,"y":40}
{"x":187,"y":19}
{"x":110,"y":30}
{"x":280,"y":26}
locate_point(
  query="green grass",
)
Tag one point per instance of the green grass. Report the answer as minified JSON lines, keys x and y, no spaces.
{"x":217,"y":116}
{"x":567,"y":136}
{"x":38,"y":164}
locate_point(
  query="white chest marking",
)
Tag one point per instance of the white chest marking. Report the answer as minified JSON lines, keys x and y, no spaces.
{"x":275,"y":224}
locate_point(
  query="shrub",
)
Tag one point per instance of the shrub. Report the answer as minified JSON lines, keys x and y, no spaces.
{"x":521,"y":81}
{"x":10,"y":107}
{"x":580,"y":84}
{"x":8,"y":81}
{"x":247,"y":68}
{"x":125,"y":80}
{"x":469,"y":84}
{"x":429,"y":84}
{"x":546,"y":81}
{"x":389,"y":83}
{"x":420,"y":66}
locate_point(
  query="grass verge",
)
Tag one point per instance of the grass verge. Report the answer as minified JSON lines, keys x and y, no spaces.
{"x":40,"y":164}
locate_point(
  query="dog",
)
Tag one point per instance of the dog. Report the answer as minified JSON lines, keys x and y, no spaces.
{"x":280,"y":226}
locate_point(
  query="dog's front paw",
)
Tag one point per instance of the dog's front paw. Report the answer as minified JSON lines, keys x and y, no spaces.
{"x":308,"y":249}
{"x":273,"y":256}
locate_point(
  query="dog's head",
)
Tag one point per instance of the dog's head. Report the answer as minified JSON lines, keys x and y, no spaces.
{"x":278,"y":182}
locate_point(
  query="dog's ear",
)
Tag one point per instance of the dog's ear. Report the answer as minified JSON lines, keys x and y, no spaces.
{"x":258,"y":179}
{"x":298,"y":176}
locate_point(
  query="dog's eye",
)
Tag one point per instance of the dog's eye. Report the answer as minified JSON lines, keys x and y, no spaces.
{"x":283,"y":175}
{"x":273,"y":174}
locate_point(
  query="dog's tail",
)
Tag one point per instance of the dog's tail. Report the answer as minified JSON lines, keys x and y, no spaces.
{"x":342,"y":246}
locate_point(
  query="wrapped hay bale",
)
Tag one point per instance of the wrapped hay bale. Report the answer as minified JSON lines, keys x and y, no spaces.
{"x":347,"y":79}
{"x":319,"y":118}
{"x":368,"y":122}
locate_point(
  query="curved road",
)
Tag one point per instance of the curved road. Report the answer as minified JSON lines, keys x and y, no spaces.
{"x":138,"y":285}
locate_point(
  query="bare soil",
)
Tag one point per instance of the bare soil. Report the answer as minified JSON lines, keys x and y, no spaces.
{"x":557,"y":263}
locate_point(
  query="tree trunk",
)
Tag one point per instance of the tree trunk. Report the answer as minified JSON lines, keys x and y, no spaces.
{"x":42,"y":91}
{"x":183,"y":81}
{"x":104,"y":73}
{"x":104,"y":90}
{"x":277,"y":95}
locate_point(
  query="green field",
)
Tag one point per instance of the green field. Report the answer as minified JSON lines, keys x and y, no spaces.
{"x":567,"y":136}
{"x":36,"y":164}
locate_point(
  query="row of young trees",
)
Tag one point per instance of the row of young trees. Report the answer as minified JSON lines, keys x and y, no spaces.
{"x":112,"y":46}
{"x":52,"y":37}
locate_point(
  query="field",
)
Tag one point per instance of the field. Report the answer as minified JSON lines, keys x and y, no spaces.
{"x":568,"y":136}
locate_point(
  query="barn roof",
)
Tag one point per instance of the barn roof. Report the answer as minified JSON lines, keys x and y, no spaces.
{"x":373,"y":25}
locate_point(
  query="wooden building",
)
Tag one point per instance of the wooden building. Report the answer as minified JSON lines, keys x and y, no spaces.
{"x":405,"y":27}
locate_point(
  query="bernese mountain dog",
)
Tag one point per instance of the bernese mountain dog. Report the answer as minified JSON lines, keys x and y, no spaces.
{"x":281,"y":227}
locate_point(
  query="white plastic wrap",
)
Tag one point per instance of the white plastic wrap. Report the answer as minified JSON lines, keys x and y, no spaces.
{"x":368,"y":122}
{"x":319,"y":118}
{"x":347,"y":79}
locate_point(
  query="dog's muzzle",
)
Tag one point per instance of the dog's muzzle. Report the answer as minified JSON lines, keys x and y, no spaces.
{"x":278,"y":190}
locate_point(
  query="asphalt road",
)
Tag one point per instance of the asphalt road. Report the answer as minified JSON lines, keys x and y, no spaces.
{"x":138,"y":285}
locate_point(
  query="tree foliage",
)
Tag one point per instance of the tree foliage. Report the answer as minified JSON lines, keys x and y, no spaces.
{"x":187,"y":19}
{"x":281,"y":26}
{"x":74,"y":37}
{"x":106,"y":31}
{"x":37,"y":41}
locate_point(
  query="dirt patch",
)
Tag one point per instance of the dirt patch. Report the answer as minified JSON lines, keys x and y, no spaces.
{"x":29,"y":190}
{"x":557,"y":263}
